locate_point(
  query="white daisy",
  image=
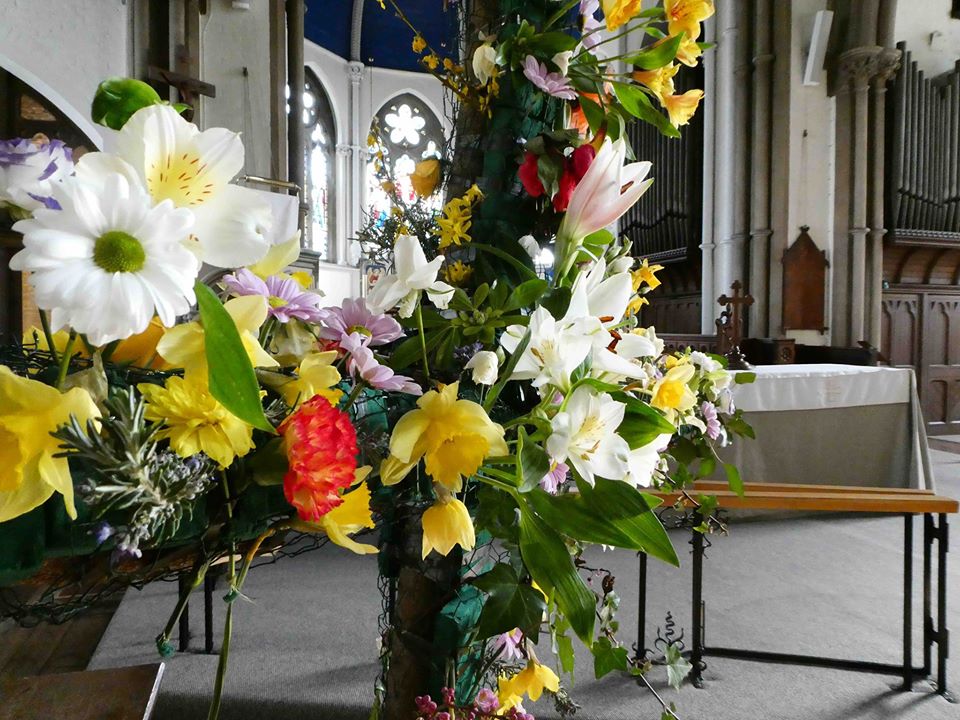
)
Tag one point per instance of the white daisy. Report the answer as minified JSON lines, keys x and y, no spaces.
{"x":109,"y":259}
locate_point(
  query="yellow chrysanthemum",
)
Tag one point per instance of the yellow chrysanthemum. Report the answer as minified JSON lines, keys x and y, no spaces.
{"x":452,"y":436}
{"x":194,"y":421}
{"x":425,"y":177}
{"x":445,"y":524}
{"x":184,"y":346}
{"x":685,"y":16}
{"x":620,"y":12}
{"x":29,"y":412}
{"x":531,"y":681}
{"x":457,"y":273}
{"x":681,"y":108}
{"x":315,"y":376}
{"x":671,"y":393}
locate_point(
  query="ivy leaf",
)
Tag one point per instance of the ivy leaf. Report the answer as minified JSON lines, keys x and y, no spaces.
{"x":510,"y":604}
{"x":232,"y":379}
{"x":118,"y":98}
{"x":733,"y":478}
{"x":677,"y":666}
{"x":607,"y":657}
{"x":546,"y":557}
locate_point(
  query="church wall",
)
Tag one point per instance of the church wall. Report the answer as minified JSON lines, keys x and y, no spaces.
{"x":931,"y":34}
{"x":64,"y":49}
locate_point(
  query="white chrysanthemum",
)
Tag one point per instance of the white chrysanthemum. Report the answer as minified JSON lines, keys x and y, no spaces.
{"x":109,"y":259}
{"x":176,"y":161}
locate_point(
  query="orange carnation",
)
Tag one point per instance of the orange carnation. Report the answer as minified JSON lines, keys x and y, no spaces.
{"x":321,"y":447}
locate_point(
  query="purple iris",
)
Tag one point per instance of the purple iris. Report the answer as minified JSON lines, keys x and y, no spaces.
{"x":354,"y":317}
{"x":286,"y":298}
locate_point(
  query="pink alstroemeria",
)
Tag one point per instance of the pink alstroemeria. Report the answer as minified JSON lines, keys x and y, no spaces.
{"x":354,"y":317}
{"x":507,"y":645}
{"x":551,"y":482}
{"x":608,"y":189}
{"x":364,"y":364}
{"x":551,"y":83}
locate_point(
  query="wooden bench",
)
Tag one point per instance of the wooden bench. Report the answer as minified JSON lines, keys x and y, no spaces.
{"x":821,"y":498}
{"x":115,"y":694}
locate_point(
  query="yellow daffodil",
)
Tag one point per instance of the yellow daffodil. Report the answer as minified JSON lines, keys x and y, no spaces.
{"x":659,"y":81}
{"x":685,"y":16}
{"x":681,"y":108}
{"x":672,"y":394}
{"x":348,"y":518}
{"x":184,"y":346}
{"x":619,"y":12}
{"x":277,"y":258}
{"x":646,"y":273}
{"x":194,"y":421}
{"x":457,"y":272}
{"x":452,"y":436}
{"x":140,"y":350}
{"x":315,"y":376}
{"x":689,"y":52}
{"x":29,"y":412}
{"x":419,"y":44}
{"x":445,"y":524}
{"x":673,"y":361}
{"x":531,"y":681}
{"x":425,"y":177}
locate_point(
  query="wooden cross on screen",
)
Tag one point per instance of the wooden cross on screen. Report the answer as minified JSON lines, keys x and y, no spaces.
{"x":730,"y":326}
{"x":189,"y":89}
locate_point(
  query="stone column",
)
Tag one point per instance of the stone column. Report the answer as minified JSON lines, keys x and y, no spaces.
{"x":356,"y":177}
{"x":760,"y":232}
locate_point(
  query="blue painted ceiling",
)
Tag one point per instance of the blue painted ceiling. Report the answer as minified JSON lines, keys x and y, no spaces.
{"x":384,"y":38}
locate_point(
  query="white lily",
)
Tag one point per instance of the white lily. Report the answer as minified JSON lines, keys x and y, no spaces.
{"x":177,"y":161}
{"x":605,"y":193}
{"x":555,"y":349}
{"x":584,"y":434}
{"x":644,"y":460}
{"x":414,"y":275}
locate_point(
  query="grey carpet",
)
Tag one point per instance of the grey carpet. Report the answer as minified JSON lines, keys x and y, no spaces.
{"x":305,"y":647}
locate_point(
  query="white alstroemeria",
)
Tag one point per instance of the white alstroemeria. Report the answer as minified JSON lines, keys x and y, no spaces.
{"x":608,"y":189}
{"x":193,"y":169}
{"x":414,"y":275}
{"x":705,"y":362}
{"x":644,"y":460}
{"x":562,"y":61}
{"x":484,"y":366}
{"x":584,"y":433}
{"x":110,"y":259}
{"x":602,"y":297}
{"x":531,"y":246}
{"x":624,"y":263}
{"x":555,"y":349}
{"x":484,"y":61}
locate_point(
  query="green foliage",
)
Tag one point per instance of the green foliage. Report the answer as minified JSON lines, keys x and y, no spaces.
{"x":677,"y":666}
{"x":642,"y":424}
{"x":232,"y":380}
{"x":510,"y":603}
{"x":608,"y":657}
{"x":636,"y":102}
{"x":118,"y":98}
{"x":533,"y":465}
{"x":733,"y":478}
{"x":656,"y":55}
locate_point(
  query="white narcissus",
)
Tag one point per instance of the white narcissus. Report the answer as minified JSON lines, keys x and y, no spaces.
{"x":110,"y":259}
{"x":584,"y":433}
{"x":414,"y":276}
{"x":177,"y":161}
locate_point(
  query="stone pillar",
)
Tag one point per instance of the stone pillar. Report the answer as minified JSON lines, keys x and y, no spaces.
{"x":356,"y":176}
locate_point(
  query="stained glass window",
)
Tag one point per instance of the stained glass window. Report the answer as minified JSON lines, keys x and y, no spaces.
{"x":319,"y":161}
{"x":408,"y":132}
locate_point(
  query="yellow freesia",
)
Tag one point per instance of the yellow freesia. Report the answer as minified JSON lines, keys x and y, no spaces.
{"x":350,"y":517}
{"x":277,"y":258}
{"x":425,"y":177}
{"x":636,"y":303}
{"x":685,"y":16}
{"x":681,"y":108}
{"x":194,"y":421}
{"x":184,"y":346}
{"x":140,"y":350}
{"x":619,"y":12}
{"x":29,"y":412}
{"x":315,"y":376}
{"x":531,"y":681}
{"x":452,"y":436}
{"x":646,"y":273}
{"x":671,"y":393}
{"x":447,"y":523}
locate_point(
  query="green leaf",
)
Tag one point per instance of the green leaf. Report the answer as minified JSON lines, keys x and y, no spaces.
{"x":743,"y":378}
{"x":593,"y":112}
{"x":525,"y":270}
{"x":677,"y":666}
{"x":607,"y":657}
{"x":506,"y":372}
{"x":636,"y":102}
{"x":657,"y":55}
{"x":510,"y":604}
{"x":118,"y":98}
{"x":733,"y":478}
{"x":480,"y":294}
{"x":549,"y":170}
{"x":534,"y":463}
{"x":564,"y":644}
{"x":269,"y":464}
{"x":526,"y":294}
{"x":545,"y":556}
{"x":610,"y":513}
{"x":408,"y":352}
{"x":232,"y":380}
{"x":642,"y":423}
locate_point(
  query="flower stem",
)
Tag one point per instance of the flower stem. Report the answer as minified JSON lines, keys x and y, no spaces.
{"x":423,"y":342}
{"x":214,"y":712}
{"x":45,"y":324}
{"x":354,"y":394}
{"x":65,"y":359}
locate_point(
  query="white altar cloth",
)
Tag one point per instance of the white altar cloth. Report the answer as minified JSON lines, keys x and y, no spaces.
{"x":832,"y":425}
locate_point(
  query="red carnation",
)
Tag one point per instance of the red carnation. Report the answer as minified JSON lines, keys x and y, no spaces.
{"x":581,"y":160}
{"x":321,"y":446}
{"x":528,"y":175}
{"x":567,"y":185}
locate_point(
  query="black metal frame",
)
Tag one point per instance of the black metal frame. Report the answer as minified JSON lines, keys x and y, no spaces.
{"x":932,"y":633}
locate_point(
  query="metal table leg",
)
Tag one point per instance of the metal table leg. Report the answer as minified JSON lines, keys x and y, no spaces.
{"x":907,"y":603}
{"x":928,"y":632}
{"x":209,"y":585}
{"x":943,"y":634}
{"x":696,"y":655}
{"x":642,"y":609}
{"x":183,"y":585}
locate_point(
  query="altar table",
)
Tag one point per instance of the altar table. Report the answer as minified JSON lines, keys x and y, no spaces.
{"x":832,"y":425}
